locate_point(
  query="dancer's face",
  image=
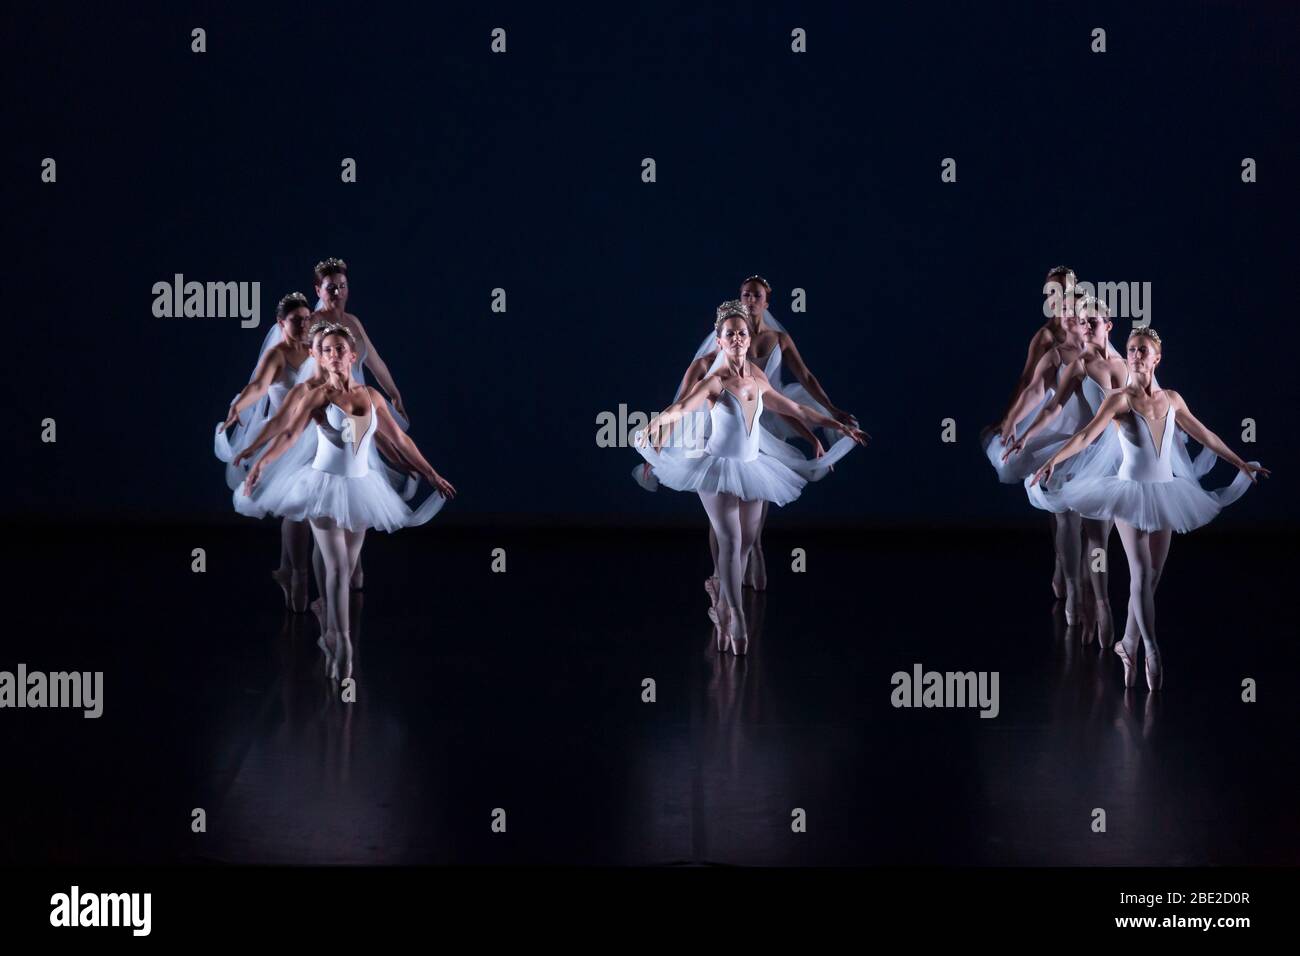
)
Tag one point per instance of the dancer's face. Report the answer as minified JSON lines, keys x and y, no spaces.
{"x":1097,"y":328}
{"x":333,"y":291}
{"x":295,"y":324}
{"x":1143,"y":355}
{"x":334,"y":353}
{"x":754,"y":297}
{"x":1055,"y":290}
{"x":733,"y":338}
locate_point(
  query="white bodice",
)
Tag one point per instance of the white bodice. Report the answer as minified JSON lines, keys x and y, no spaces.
{"x":343,"y":442}
{"x":729,"y":434}
{"x":1141,"y":460}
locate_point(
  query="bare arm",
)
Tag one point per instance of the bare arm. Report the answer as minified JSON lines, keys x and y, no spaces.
{"x":1085,"y":436}
{"x":695,"y":373}
{"x":704,"y":392}
{"x":1053,"y":408}
{"x":1031,"y":393}
{"x":1041,"y":343}
{"x":1190,"y":424}
{"x":785,"y":407}
{"x":284,"y":440}
{"x":267,"y":369}
{"x":278,"y":422}
{"x":378,"y":366}
{"x":792,"y":360}
{"x":403,"y":442}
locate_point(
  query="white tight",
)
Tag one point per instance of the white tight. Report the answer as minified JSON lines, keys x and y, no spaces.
{"x":1146,"y":551}
{"x":735,"y":525}
{"x":295,"y":545}
{"x":338,"y":550}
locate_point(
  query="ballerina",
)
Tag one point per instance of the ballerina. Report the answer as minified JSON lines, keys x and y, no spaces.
{"x":339,"y":493}
{"x":741,"y":465}
{"x":1083,"y":386}
{"x":278,"y":370}
{"x":773,"y":349}
{"x":1018,"y":458}
{"x":1151,"y":496}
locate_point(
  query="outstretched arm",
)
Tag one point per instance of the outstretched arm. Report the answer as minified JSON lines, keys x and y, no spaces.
{"x":378,"y":366}
{"x":778,"y":403}
{"x":282,"y":441}
{"x":792,"y":360}
{"x":403,"y":442}
{"x":1030,"y":395}
{"x":1039,"y":345}
{"x":278,"y":422}
{"x":1050,"y":410}
{"x":705,"y":391}
{"x":1190,"y":424}
{"x":267,"y":369}
{"x":1084,"y":436}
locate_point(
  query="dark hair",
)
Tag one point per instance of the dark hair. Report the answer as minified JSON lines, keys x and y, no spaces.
{"x":761,"y":281}
{"x":294,"y":300}
{"x":329,"y":267}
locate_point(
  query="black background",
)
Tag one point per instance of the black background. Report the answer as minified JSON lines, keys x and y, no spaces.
{"x":522,"y":171}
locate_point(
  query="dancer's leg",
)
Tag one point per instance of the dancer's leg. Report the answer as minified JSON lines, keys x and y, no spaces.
{"x":724,"y":515}
{"x":1058,"y":573}
{"x":1068,"y":536}
{"x":1096,"y":537}
{"x":1141,"y":594}
{"x":711,"y":583}
{"x":756,"y":562}
{"x":333,"y":545}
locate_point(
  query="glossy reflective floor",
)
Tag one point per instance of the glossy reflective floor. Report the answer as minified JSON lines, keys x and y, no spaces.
{"x":523,"y":691}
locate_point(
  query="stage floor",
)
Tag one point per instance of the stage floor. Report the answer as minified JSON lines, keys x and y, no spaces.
{"x":523,"y":691}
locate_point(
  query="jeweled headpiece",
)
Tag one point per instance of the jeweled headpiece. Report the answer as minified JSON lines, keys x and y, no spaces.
{"x":759,"y":279}
{"x":1149,"y":332}
{"x":330,"y":266}
{"x":731,"y":309}
{"x":294,"y":300}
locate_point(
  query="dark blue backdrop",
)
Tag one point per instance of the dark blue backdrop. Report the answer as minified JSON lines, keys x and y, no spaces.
{"x":522,"y":171}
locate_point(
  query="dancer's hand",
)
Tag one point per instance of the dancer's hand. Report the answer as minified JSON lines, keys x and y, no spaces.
{"x":1006,"y":431}
{"x":857,"y":434}
{"x":401,"y":409}
{"x":443,"y":486}
{"x":243,"y":453}
{"x":818,"y":450}
{"x":254,"y":476}
{"x":1252,"y":470}
{"x":1014,"y":448}
{"x":232,"y":416}
{"x":841,"y":416}
{"x":1043,"y":474}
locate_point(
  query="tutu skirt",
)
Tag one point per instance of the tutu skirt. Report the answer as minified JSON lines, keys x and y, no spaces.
{"x":778,"y":474}
{"x":1179,"y":504}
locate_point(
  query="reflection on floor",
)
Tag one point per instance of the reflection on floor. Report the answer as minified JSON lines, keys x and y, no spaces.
{"x":522,"y":692}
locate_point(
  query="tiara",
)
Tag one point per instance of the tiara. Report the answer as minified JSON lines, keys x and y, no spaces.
{"x":758,"y":278}
{"x":1147,"y":331}
{"x":732,"y":308}
{"x":326,"y":327}
{"x":331,"y":265}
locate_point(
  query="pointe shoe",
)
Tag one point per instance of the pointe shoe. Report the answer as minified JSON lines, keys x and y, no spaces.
{"x":1130,"y":666}
{"x":720,"y":637}
{"x":283,"y":577}
{"x":738,"y":645}
{"x":298,"y":591}
{"x":1058,"y":581}
{"x":1073,"y":615}
{"x":758,"y":564}
{"x":711,"y":586}
{"x":1105,"y":626}
{"x":331,"y":665}
{"x":1156,"y":676}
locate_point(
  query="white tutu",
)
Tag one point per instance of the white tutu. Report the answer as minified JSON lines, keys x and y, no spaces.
{"x":1153,"y":490}
{"x":775,"y":425}
{"x":751,"y":464}
{"x":226,"y":444}
{"x":336,"y":481}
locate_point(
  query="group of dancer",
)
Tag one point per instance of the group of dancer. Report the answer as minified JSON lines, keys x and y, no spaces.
{"x":1137,"y":477}
{"x":329,"y":483}
{"x":734,"y":449}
